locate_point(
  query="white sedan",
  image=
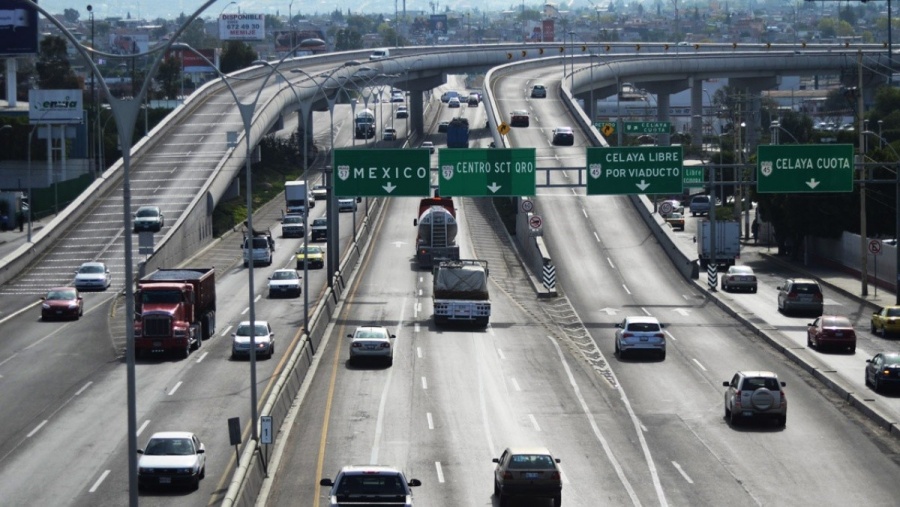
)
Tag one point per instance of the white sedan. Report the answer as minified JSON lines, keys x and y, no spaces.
{"x":372,"y":342}
{"x":284,"y":282}
{"x":172,"y":458}
{"x":92,"y":276}
{"x":263,"y":338}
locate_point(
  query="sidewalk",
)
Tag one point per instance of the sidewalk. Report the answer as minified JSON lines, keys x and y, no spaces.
{"x":11,"y":240}
{"x":846,"y":283}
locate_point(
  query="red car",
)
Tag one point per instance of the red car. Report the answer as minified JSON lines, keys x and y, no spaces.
{"x":831,"y":331}
{"x":62,"y":303}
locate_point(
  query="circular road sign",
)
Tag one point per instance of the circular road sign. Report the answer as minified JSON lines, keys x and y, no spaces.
{"x":503,"y":128}
{"x":535,"y":221}
{"x":666,"y":208}
{"x":875,"y":246}
{"x":527,"y":205}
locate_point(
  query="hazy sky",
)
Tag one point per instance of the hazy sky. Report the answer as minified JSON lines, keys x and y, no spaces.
{"x":150,"y":9}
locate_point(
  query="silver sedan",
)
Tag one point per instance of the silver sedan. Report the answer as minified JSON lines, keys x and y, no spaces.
{"x":372,"y":342}
{"x":739,"y":278}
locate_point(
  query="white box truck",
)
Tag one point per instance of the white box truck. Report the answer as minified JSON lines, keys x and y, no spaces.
{"x":296,"y":197}
{"x":728,"y":242}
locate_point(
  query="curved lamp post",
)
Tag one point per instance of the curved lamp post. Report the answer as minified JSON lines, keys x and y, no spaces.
{"x":125,"y":112}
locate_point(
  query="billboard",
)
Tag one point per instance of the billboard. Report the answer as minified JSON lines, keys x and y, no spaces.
{"x":192,"y":63}
{"x":549,"y":30}
{"x":18,"y":28}
{"x":438,"y":24}
{"x":55,"y":107}
{"x":123,"y":43}
{"x":242,"y":27}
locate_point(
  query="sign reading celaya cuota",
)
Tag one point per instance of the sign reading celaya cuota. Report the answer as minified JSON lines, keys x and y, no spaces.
{"x":797,"y":168}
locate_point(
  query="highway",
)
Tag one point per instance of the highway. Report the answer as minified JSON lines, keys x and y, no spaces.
{"x":544,"y":373}
{"x":627,"y":432}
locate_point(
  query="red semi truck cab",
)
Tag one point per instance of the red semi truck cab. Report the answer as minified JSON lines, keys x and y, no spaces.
{"x":175,"y":310}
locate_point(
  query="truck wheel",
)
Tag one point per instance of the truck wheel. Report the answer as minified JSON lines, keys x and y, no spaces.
{"x":187,"y":351}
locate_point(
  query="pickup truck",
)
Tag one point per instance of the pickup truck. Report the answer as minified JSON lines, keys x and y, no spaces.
{"x":319,"y":229}
{"x":370,"y":485}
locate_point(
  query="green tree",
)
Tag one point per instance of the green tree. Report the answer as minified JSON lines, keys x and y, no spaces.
{"x":169,"y":75}
{"x":236,"y":55}
{"x":53,"y":67}
{"x":346,"y":40}
{"x":71,"y":15}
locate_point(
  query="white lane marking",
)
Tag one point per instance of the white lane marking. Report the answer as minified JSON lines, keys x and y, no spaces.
{"x":584,"y":212}
{"x":599,"y":436}
{"x":534,"y":422}
{"x":245,"y":310}
{"x":36,"y":429}
{"x":83,"y":389}
{"x":225,"y":332}
{"x":8,"y":359}
{"x":610,"y":263}
{"x":440,"y":473}
{"x":175,"y":388}
{"x":202,"y":356}
{"x":646,"y":312}
{"x":596,"y":236}
{"x":420,"y":293}
{"x":424,"y":384}
{"x":500,"y":353}
{"x":419,"y":352}
{"x":515,"y":383}
{"x":143,"y":427}
{"x":257,"y":298}
{"x":416,"y":327}
{"x":683,"y":473}
{"x":670,"y":335}
{"x":421,"y":279}
{"x":698,"y":364}
{"x":382,"y":404}
{"x":430,"y":420}
{"x":626,"y":288}
{"x":99,"y":481}
{"x":644,"y":428}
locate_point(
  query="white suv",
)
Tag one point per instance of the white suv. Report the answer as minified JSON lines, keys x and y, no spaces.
{"x":755,"y":394}
{"x":640,"y":333}
{"x":370,"y":484}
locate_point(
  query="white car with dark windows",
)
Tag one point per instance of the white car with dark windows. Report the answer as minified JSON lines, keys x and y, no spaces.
{"x":370,"y":485}
{"x":92,"y":276}
{"x":284,"y":282}
{"x":755,"y":394}
{"x":372,"y":342}
{"x":640,"y":333}
{"x":263,"y":338}
{"x":172,"y":459}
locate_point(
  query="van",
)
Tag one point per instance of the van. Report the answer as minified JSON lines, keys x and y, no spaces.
{"x":700,"y":205}
{"x":258,"y":249}
{"x":379,"y":54}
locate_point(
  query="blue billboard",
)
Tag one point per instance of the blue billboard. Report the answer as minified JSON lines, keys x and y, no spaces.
{"x":18,"y":28}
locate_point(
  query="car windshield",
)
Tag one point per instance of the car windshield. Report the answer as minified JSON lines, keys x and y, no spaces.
{"x":170,"y":447}
{"x":292,"y":220}
{"x":741,"y":270}
{"x":60,"y":295}
{"x":91,"y":269}
{"x":284,"y":275}
{"x":310,"y":250}
{"x":836,"y":322}
{"x":805,"y":288}
{"x":147,"y":212}
{"x":370,"y":485}
{"x":754,"y":383}
{"x":244,"y":330}
{"x":643,"y":327}
{"x":371,"y":333}
{"x":320,"y":222}
{"x":161,"y":296}
{"x":531,"y":462}
{"x":893,"y":312}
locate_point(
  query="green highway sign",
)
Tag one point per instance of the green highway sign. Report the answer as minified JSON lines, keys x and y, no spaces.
{"x":382,"y":172}
{"x":647,"y":127}
{"x":793,"y":168}
{"x":639,"y":170}
{"x":487,"y":172}
{"x":693,"y":176}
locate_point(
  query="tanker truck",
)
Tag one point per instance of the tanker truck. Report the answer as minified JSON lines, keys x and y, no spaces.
{"x":175,"y":309}
{"x":437,"y":228}
{"x":460,"y":292}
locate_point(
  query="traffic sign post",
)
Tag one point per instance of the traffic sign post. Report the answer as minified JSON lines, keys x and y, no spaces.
{"x":647,"y":127}
{"x":804,"y":168}
{"x":382,"y":172}
{"x":640,"y":170}
{"x":484,"y":172}
{"x":605,"y":128}
{"x":693,"y":177}
{"x":875,"y":250}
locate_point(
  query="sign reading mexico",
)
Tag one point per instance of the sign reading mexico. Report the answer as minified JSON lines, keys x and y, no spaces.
{"x":55,"y":107}
{"x":242,"y":27}
{"x":380,"y":173}
{"x":639,"y":170}
{"x":791,"y":168}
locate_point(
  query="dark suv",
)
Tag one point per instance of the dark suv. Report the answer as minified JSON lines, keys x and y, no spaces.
{"x":800,"y":295}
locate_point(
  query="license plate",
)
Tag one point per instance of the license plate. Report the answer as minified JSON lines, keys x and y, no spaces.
{"x":838,"y":334}
{"x":747,"y":413}
{"x":532,"y":475}
{"x":165,"y":480}
{"x":645,"y":338}
{"x":157,"y":344}
{"x":462,"y":311}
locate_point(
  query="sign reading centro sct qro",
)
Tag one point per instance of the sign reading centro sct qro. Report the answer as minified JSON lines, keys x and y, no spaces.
{"x":640,"y":170}
{"x":804,"y":168}
{"x":382,"y":172}
{"x":487,"y":172}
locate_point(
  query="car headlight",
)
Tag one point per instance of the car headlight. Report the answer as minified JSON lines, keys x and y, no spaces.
{"x":73,"y":305}
{"x":45,"y":306}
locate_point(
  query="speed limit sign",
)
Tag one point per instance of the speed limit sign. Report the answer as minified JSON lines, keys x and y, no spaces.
{"x":527,"y":205}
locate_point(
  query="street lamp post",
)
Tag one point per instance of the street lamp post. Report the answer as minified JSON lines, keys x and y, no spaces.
{"x":94,"y":106}
{"x":291,"y":26}
{"x":572,"y":62}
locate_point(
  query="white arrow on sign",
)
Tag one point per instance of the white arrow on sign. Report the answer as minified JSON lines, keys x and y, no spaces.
{"x":682,"y":311}
{"x":642,"y":185}
{"x":494,"y":187}
{"x":609,"y":311}
{"x":812,"y":183}
{"x":389,"y":187}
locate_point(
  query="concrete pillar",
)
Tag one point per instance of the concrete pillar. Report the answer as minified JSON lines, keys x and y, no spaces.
{"x":11,"y":82}
{"x":588,"y":108}
{"x":662,"y":113}
{"x":416,"y":112}
{"x":697,"y":113}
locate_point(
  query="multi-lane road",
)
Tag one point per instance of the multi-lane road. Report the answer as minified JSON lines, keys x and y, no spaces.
{"x":627,"y":432}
